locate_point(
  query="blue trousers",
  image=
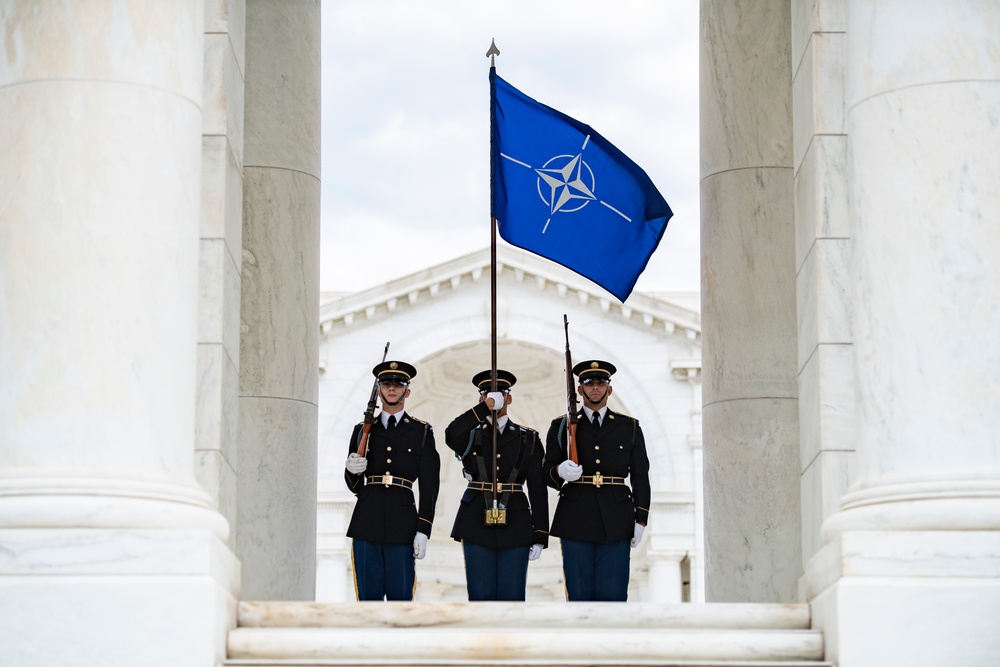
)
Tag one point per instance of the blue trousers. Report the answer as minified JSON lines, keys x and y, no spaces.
{"x":383,"y":571}
{"x":495,"y":574}
{"x":596,"y":571}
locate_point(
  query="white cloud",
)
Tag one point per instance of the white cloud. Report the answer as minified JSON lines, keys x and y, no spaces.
{"x":406,"y":118}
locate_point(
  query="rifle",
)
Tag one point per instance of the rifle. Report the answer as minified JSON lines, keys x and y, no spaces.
{"x":570,"y":400}
{"x":370,"y":411}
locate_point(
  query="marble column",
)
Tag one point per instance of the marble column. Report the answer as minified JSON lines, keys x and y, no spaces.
{"x":279,"y":312}
{"x":917,"y":537}
{"x":697,"y":559}
{"x":665,"y":577}
{"x":333,"y":550}
{"x":696,"y":554}
{"x":105,"y":537}
{"x":750,"y":393}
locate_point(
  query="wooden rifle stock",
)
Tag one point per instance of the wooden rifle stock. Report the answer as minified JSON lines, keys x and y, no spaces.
{"x":370,"y":411}
{"x":570,"y":400}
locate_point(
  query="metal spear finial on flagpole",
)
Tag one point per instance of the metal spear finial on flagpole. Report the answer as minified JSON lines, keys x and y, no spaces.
{"x":494,"y":515}
{"x":493,"y":52}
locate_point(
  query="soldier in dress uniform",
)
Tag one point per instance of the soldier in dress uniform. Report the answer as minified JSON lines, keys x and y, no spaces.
{"x":498,"y":545}
{"x":598,"y":517}
{"x":388,"y":528}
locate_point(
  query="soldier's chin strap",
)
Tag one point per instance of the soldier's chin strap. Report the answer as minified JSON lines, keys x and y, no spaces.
{"x":603,"y":398}
{"x":388,"y":402}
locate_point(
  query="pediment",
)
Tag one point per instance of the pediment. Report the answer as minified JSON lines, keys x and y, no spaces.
{"x":548,"y":279}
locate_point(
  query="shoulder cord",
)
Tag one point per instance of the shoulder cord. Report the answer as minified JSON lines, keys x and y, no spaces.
{"x":468,"y":447}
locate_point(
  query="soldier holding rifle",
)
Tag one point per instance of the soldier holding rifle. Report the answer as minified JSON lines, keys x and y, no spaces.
{"x":598,"y":517}
{"x":389,"y":453}
{"x":500,"y":523}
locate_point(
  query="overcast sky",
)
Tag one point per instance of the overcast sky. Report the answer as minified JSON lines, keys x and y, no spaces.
{"x":406,"y":120}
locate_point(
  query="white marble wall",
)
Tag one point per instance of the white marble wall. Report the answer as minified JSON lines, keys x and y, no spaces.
{"x":278,"y":367}
{"x":750,"y":419}
{"x":105,"y":537}
{"x":217,"y":415}
{"x":827,"y":396}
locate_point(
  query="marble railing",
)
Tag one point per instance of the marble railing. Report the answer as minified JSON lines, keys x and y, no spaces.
{"x":296,"y":633}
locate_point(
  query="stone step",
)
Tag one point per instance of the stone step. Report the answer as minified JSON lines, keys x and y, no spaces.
{"x":515,"y":663}
{"x":273,"y":634}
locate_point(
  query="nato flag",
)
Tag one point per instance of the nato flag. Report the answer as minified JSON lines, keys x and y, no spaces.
{"x":561,"y":190}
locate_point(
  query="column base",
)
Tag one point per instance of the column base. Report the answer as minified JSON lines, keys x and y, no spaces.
{"x":945,"y":505}
{"x":80,"y":502}
{"x":112,"y":597}
{"x":914,"y":598}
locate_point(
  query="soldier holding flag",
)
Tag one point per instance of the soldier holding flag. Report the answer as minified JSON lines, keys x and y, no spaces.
{"x":498,"y":545}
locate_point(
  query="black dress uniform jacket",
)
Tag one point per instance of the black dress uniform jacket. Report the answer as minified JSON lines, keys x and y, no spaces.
{"x":470,"y":435}
{"x":585,"y":512}
{"x":389,"y":513}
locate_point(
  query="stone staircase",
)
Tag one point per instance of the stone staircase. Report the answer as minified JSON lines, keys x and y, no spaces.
{"x":303,"y":634}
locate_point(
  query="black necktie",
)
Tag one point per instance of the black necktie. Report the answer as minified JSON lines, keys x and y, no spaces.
{"x":392,"y":422}
{"x":597,"y":420}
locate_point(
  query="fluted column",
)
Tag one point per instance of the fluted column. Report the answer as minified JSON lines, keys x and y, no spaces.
{"x":750,"y":395}
{"x":100,"y":149}
{"x":279,"y":311}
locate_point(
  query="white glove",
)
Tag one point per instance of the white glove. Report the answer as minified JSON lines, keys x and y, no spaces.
{"x":637,"y":535}
{"x":535,"y":552}
{"x":356,"y":464}
{"x":419,"y":546}
{"x":570,"y":471}
{"x":498,"y":400}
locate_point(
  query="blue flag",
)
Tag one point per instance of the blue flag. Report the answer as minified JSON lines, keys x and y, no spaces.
{"x":561,"y":190}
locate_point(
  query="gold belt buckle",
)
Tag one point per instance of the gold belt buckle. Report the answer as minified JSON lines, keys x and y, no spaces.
{"x":598,"y":479}
{"x":387,"y":479}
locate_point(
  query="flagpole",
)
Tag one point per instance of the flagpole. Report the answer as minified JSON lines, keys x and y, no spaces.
{"x":491,"y":54}
{"x":493,"y":348}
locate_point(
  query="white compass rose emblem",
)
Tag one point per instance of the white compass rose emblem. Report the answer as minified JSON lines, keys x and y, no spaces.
{"x":567,"y":179}
{"x":566,"y":183}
